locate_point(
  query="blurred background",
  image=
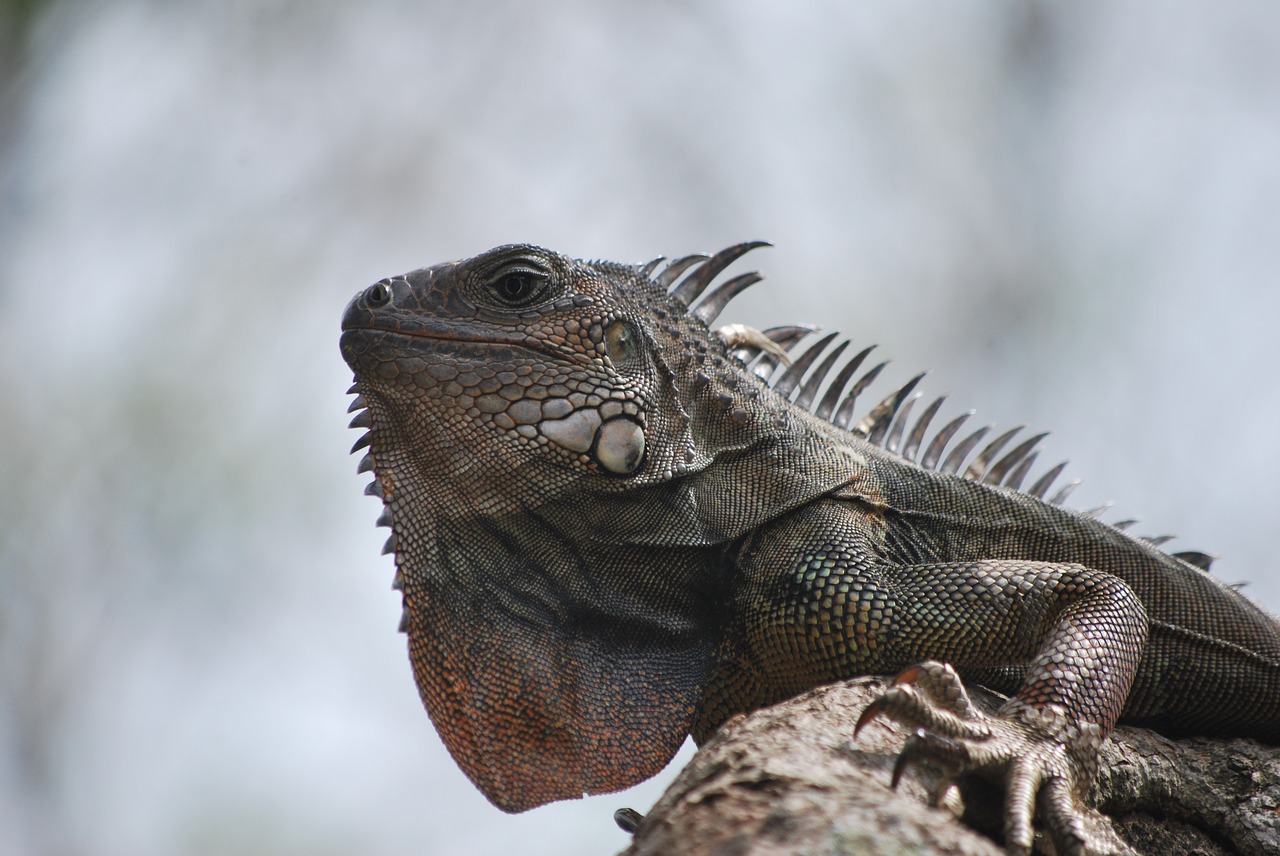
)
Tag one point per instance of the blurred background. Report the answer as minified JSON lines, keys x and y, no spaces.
{"x":1070,"y":211}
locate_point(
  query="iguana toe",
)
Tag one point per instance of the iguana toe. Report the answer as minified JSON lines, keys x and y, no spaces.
{"x":1045,"y":763}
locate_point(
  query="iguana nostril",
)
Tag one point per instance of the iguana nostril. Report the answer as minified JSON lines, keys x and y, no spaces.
{"x":378,"y":295}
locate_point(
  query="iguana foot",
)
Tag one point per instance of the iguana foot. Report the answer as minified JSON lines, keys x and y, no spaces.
{"x":1039,"y":755}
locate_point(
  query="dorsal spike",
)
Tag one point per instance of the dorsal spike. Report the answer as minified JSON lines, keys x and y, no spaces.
{"x":1097,"y":511}
{"x":698,"y":279}
{"x":790,"y":334}
{"x":1065,"y":491}
{"x":810,"y":389}
{"x":365,"y":465}
{"x":678,"y":266}
{"x":1157,"y":540}
{"x":785,"y":337}
{"x":647,"y":270}
{"x":786,"y":384}
{"x":746,"y":343}
{"x":1014,"y":480}
{"x":1001,"y":468}
{"x":717,"y":299}
{"x":875,"y":425}
{"x":951,"y":464}
{"x":832,"y":397}
{"x":1203,"y":561}
{"x":353,"y":389}
{"x":364,"y":440}
{"x":916,"y":437}
{"x":893,"y":440}
{"x":357,"y":403}
{"x":977,"y":469}
{"x":361,"y":420}
{"x":1122,"y":525}
{"x":1046,"y":481}
{"x":940,"y":440}
{"x":844,"y":415}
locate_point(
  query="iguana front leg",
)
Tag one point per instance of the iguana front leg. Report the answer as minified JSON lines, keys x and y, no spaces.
{"x":1079,"y":633}
{"x":1073,"y":634}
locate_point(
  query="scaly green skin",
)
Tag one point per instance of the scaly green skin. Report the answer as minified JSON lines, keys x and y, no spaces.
{"x":609,"y":534}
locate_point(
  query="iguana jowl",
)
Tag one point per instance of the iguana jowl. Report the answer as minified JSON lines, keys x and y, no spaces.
{"x":610,"y":532}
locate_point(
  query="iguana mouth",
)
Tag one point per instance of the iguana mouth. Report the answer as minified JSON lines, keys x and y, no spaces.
{"x":445,"y":331}
{"x":461,"y":340}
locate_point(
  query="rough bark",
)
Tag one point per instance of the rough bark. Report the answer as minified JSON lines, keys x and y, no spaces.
{"x":791,"y":779}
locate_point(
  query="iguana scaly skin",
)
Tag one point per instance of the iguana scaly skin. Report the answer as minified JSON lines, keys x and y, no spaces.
{"x":611,"y":532}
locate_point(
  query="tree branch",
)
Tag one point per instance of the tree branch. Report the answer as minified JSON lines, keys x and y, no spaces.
{"x":791,"y":779}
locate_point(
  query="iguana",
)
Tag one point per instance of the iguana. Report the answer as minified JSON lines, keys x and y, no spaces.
{"x":611,"y":530}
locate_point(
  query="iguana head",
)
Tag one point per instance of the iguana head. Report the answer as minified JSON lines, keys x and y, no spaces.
{"x":510,"y":376}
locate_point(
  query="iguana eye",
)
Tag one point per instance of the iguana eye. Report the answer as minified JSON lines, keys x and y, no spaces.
{"x":378,"y":295}
{"x":619,"y":342}
{"x":519,"y":287}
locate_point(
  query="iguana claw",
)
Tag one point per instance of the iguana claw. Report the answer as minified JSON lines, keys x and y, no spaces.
{"x":929,"y":694}
{"x":1043,"y":761}
{"x":628,"y":820}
